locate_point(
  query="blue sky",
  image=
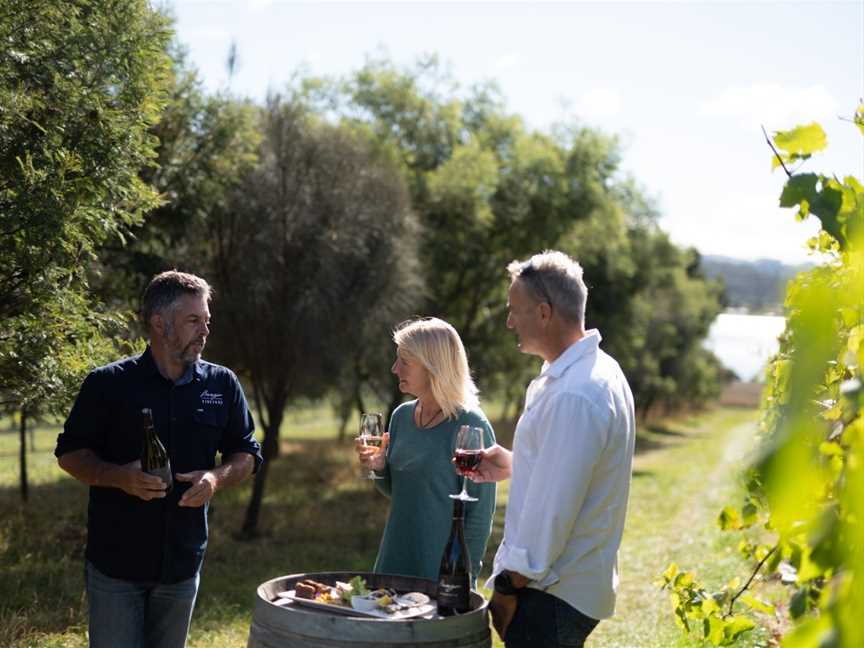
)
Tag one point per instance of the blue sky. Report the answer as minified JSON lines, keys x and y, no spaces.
{"x":685,"y":85}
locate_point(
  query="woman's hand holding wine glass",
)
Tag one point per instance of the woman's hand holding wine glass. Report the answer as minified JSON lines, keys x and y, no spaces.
{"x":371,"y":444}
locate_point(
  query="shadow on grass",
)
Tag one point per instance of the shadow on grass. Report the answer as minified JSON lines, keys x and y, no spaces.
{"x":318,"y":514}
{"x":663,"y":430}
{"x":657,"y":436}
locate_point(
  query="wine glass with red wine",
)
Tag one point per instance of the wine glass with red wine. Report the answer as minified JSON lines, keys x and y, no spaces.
{"x":372,"y":434}
{"x":467,"y":455}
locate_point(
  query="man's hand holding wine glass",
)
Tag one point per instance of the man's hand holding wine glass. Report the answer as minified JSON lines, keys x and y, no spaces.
{"x":496,"y":464}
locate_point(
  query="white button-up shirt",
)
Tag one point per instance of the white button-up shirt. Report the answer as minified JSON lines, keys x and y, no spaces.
{"x":572,"y":459}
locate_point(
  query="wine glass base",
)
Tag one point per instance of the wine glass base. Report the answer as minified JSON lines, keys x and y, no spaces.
{"x":463,"y":497}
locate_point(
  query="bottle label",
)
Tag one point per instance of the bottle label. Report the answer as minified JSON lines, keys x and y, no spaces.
{"x":453,"y":592}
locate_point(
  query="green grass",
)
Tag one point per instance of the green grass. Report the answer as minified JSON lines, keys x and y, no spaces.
{"x":319,"y":515}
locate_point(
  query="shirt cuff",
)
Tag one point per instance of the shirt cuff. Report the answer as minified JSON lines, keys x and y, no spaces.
{"x":515,"y":559}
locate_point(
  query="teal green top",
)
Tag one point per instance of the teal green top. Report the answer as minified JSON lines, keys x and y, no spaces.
{"x":418,"y":479}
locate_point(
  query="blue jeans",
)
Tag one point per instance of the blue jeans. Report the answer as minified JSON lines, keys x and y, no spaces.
{"x":138,"y":615}
{"x":545,"y":621}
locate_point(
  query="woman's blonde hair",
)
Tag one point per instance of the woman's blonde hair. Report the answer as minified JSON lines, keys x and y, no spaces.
{"x":438,"y":347}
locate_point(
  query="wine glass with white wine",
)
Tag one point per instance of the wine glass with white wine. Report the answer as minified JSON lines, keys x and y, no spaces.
{"x":371,"y":434}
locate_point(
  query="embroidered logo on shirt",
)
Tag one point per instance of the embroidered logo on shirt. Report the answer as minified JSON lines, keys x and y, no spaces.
{"x":209,"y":398}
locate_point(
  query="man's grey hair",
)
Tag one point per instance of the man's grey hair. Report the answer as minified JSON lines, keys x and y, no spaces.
{"x":165,"y":289}
{"x":556,"y":279}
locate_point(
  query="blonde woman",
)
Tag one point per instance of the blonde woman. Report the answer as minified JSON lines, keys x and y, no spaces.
{"x":415,"y":468}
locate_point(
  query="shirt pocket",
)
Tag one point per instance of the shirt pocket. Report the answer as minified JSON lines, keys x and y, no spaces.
{"x":210,"y":424}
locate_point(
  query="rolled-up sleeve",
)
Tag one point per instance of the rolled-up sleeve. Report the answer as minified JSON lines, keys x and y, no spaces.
{"x":239,"y":434}
{"x":571,"y":435}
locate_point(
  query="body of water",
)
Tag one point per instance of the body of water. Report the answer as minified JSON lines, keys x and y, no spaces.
{"x":744,"y":343}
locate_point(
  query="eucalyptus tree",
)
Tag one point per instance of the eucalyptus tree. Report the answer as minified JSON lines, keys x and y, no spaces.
{"x":81,"y":83}
{"x":486,"y":189}
{"x":205,"y":142}
{"x":313,"y":254}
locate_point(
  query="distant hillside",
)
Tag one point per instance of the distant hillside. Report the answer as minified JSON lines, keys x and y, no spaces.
{"x":757,"y":286}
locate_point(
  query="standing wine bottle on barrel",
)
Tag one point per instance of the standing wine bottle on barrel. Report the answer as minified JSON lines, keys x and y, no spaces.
{"x":154,"y":458}
{"x":454,"y":576}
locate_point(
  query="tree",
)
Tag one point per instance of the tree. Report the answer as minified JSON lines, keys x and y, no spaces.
{"x":312,"y":241}
{"x":76,"y":104}
{"x":487,"y":191}
{"x":205,"y":144}
{"x":801,"y":518}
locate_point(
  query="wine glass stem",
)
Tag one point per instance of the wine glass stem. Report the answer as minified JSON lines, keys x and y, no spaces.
{"x":464,"y":485}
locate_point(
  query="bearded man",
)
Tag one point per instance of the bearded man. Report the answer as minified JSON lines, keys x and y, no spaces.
{"x":145,"y":539}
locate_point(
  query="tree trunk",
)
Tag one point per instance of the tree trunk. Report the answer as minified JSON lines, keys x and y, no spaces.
{"x":269,"y":450}
{"x":395,"y":401}
{"x":23,"y":453}
{"x":345,"y":409}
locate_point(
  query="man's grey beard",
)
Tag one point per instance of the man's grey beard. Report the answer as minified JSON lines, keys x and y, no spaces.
{"x":186,"y":356}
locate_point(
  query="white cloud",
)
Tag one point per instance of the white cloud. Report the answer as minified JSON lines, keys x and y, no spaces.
{"x":205,"y":33}
{"x":771,"y":104}
{"x":598,"y":104}
{"x":744,"y":226}
{"x":509,"y":61}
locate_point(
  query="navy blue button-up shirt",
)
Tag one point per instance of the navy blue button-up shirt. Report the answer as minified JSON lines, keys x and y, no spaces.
{"x":203,"y":413}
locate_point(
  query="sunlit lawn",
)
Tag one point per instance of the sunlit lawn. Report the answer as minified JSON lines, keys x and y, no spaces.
{"x":319,"y":515}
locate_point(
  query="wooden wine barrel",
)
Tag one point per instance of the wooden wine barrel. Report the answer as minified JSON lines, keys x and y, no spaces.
{"x":290,"y":625}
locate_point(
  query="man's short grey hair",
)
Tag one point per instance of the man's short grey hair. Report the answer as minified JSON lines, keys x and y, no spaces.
{"x":556,"y":279}
{"x":165,"y":289}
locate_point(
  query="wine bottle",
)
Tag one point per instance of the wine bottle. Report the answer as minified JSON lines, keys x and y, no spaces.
{"x":154,"y":458}
{"x":454,"y":575}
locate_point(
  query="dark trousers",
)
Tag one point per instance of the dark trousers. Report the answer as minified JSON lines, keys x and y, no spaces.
{"x":545,"y":621}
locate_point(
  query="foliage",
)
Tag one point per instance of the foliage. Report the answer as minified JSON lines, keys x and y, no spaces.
{"x":206,"y":142}
{"x":311,"y":256}
{"x":650,"y":301}
{"x":76,"y":103}
{"x":488,"y":190}
{"x":805,"y":503}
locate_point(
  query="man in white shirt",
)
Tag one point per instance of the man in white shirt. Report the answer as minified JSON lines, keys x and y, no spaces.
{"x":555,"y":573}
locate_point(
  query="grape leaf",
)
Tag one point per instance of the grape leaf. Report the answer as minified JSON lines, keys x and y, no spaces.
{"x":802,"y":140}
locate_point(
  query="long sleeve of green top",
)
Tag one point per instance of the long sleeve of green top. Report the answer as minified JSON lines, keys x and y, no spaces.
{"x":418,"y":479}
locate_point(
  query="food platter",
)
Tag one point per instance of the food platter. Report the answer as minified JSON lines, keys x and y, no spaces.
{"x":408,"y":613}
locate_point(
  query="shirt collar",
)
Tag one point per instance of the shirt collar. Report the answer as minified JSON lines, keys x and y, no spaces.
{"x":579,"y":349}
{"x":148,"y":366}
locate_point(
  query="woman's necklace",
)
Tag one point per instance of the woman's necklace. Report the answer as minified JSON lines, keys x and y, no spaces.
{"x":420,"y":416}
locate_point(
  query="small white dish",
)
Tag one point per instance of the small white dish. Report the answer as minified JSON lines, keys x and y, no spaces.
{"x":364,"y":603}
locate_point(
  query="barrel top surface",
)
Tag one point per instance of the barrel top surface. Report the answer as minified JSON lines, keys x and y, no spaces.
{"x":269,"y":590}
{"x":293,"y":625}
